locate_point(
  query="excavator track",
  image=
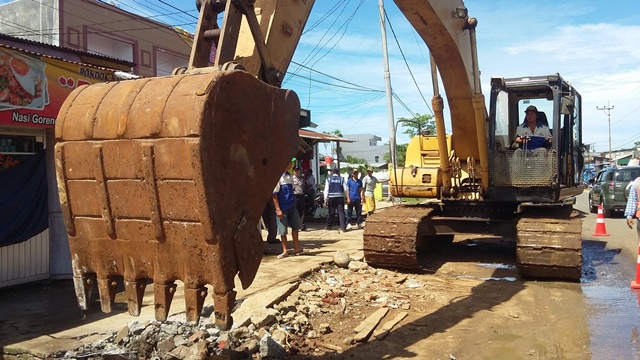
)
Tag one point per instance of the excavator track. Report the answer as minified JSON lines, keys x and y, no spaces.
{"x":391,"y":237}
{"x":549,"y":244}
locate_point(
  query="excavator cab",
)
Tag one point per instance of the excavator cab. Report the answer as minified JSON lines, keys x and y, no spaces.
{"x":546,"y":174}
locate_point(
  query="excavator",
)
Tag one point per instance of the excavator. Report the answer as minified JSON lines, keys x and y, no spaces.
{"x":148,"y":169}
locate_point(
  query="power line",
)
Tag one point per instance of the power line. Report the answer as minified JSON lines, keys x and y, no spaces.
{"x":363,"y":88}
{"x":406,"y":63}
{"x":173,"y":7}
{"x":345,"y":25}
{"x":357,"y":87}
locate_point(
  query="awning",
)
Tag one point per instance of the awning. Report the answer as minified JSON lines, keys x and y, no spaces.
{"x":321,"y":137}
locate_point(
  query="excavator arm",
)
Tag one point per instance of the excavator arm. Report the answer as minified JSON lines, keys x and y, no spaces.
{"x":153,"y":173}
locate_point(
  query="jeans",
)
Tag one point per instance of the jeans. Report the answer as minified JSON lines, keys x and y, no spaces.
{"x":357,"y":204}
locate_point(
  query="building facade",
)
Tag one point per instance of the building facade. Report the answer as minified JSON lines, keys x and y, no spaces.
{"x":366,"y":146}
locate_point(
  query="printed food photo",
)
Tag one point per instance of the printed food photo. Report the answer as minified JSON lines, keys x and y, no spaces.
{"x":23,"y":83}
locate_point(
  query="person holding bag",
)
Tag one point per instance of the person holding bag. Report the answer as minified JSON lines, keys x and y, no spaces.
{"x":633,"y":205}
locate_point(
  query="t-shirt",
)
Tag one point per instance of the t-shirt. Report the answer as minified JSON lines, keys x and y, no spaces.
{"x":354,"y":187}
{"x":298,"y":185}
{"x":284,"y":189}
{"x":311,"y":182}
{"x":369,"y":183}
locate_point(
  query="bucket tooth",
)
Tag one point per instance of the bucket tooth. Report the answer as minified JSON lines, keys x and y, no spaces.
{"x":107,"y":289}
{"x":223,"y":305}
{"x":135,"y":293}
{"x":163,"y":295}
{"x":194,"y":300}
{"x":84,"y":289}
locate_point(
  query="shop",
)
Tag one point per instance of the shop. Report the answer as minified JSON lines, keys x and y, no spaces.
{"x":33,"y":243}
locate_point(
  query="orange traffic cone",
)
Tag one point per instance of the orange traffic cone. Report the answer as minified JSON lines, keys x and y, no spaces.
{"x":635,"y":284}
{"x":601,"y":230}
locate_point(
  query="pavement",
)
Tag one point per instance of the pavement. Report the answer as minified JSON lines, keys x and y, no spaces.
{"x":41,"y":318}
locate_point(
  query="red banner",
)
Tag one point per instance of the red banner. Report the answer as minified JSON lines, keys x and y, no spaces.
{"x":33,"y":88}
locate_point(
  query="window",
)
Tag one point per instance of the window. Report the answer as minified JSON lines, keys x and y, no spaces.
{"x":109,"y":46}
{"x":166,"y":62}
{"x":16,"y":148}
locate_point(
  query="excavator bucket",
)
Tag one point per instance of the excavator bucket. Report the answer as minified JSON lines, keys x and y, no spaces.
{"x":165,"y":179}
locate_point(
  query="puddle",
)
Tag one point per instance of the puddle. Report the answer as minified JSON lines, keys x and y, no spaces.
{"x":506,"y":278}
{"x":614,"y":321}
{"x":498,"y":266}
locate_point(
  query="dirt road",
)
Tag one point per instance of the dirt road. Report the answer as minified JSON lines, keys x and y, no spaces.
{"x":468,"y":303}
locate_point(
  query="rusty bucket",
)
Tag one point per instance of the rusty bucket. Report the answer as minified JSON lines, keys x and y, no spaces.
{"x":165,"y":179}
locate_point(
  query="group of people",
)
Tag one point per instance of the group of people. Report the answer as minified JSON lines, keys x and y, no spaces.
{"x":286,"y":207}
{"x":354,"y":191}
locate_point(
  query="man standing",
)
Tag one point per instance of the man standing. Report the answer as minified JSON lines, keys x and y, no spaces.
{"x":334,"y":189}
{"x":633,"y":209}
{"x":284,"y":200}
{"x":369,"y":183}
{"x":298,"y":190}
{"x":355,"y":194}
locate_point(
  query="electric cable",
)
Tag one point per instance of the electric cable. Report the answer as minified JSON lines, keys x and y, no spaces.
{"x":406,"y":63}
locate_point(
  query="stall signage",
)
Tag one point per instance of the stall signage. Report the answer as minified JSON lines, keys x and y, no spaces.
{"x":33,"y":88}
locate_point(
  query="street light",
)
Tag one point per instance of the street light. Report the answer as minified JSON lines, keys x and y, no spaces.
{"x":607,"y":110}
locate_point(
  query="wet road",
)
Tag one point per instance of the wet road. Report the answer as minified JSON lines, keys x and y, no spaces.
{"x":609,"y":265}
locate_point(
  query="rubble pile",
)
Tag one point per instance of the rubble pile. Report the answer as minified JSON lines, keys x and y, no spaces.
{"x":305,"y":318}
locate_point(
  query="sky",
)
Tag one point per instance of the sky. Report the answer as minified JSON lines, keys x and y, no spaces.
{"x":593,"y":44}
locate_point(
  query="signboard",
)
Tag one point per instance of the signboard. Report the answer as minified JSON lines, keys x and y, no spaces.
{"x":33,"y":88}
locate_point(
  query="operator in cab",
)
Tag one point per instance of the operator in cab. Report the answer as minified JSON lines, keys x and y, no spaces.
{"x":532,"y":134}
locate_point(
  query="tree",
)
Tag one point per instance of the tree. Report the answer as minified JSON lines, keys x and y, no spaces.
{"x":636,"y":145}
{"x":363,"y":164}
{"x":426,"y":122}
{"x":334,"y":149}
{"x":401,"y":154}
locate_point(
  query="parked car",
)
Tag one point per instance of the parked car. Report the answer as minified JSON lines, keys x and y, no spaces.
{"x":610,"y":189}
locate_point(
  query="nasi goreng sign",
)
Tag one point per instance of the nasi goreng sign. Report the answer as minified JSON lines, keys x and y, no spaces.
{"x":33,"y":88}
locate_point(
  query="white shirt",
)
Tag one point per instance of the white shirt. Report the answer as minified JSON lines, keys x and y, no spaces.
{"x":369,"y":184}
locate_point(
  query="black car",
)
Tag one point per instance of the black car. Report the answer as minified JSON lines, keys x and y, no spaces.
{"x":610,"y":189}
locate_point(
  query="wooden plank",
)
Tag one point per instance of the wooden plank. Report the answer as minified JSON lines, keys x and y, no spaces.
{"x":386,"y":327}
{"x":366,"y":327}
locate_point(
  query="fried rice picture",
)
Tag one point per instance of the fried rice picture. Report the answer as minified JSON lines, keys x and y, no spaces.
{"x":20,"y":83}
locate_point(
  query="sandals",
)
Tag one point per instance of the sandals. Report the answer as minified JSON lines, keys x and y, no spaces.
{"x":294,"y":252}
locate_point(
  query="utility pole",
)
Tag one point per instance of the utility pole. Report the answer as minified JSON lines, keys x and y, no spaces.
{"x":387,"y":83}
{"x":607,"y":110}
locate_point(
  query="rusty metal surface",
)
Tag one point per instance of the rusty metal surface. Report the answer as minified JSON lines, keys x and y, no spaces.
{"x":165,"y":179}
{"x":390,"y":238}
